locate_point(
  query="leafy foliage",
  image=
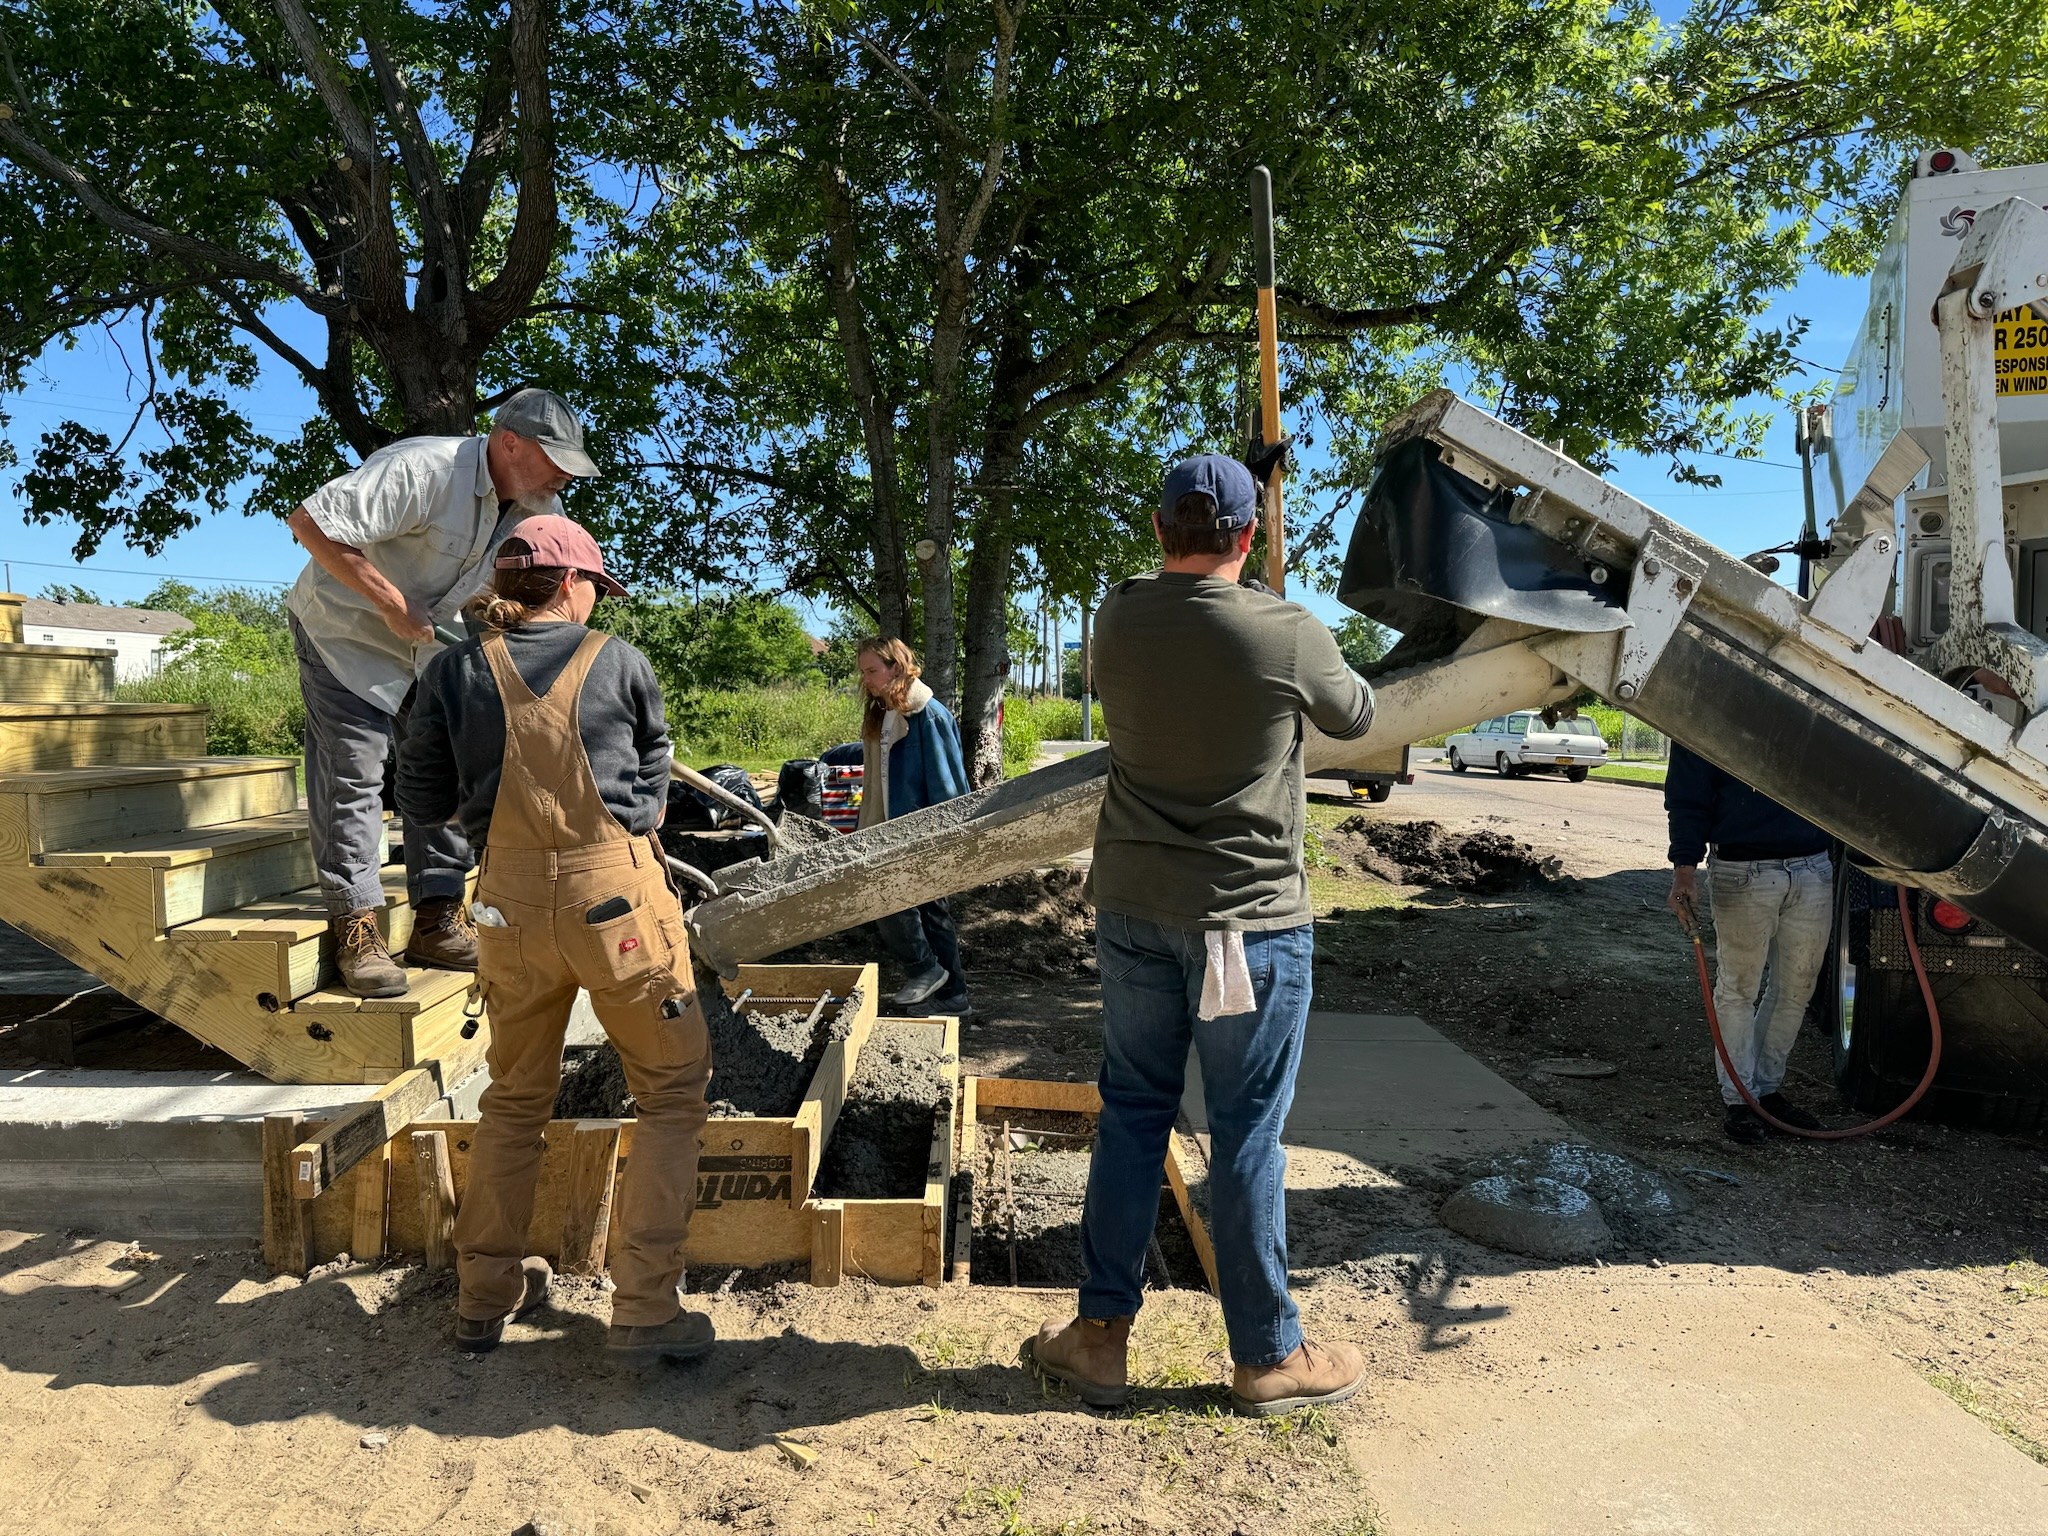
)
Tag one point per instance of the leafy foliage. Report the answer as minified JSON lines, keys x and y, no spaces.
{"x":1362,"y":642}
{"x":744,"y":641}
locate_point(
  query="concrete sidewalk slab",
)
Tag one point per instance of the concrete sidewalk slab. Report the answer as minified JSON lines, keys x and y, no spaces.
{"x":1687,"y":1401}
{"x":170,"y":1154}
{"x":1389,"y":1090}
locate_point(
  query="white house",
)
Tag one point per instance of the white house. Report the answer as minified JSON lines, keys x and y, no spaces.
{"x":136,"y":634}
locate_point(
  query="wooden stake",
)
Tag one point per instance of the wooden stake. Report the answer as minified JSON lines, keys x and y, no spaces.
{"x":436,"y":1179}
{"x":366,"y":1243}
{"x":287,"y":1228}
{"x":828,"y":1242}
{"x":587,"y":1218}
{"x":319,"y":1162}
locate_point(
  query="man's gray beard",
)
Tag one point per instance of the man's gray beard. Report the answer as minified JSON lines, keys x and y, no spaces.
{"x":538,"y":505}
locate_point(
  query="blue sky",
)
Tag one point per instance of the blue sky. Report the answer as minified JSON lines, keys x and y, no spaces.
{"x":1758,"y":503}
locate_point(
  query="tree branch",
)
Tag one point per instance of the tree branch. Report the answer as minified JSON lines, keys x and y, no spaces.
{"x":532,"y":245}
{"x":356,"y":135}
{"x":443,"y":241}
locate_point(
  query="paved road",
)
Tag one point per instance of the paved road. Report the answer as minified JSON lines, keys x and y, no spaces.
{"x":1597,"y":827}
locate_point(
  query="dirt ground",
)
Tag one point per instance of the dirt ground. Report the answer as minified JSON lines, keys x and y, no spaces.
{"x":174,"y":1389}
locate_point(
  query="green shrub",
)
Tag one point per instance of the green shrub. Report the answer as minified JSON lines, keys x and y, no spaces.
{"x":1058,"y":719}
{"x":251,"y":712}
{"x":1020,"y":739}
{"x":761,"y":725}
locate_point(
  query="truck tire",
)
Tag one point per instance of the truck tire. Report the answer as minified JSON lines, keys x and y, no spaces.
{"x":1379,"y":794}
{"x":1994,"y":1071}
{"x":1457,"y":762}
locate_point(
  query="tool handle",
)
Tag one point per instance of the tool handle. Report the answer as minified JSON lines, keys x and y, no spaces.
{"x":1262,"y":226}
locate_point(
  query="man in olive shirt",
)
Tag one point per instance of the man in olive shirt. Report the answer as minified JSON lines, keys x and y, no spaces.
{"x":1203,"y":934}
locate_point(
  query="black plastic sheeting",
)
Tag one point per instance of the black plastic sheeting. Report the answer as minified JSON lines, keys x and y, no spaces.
{"x":1429,"y":538}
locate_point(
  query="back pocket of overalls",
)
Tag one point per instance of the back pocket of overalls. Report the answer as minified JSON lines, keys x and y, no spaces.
{"x":626,"y":947}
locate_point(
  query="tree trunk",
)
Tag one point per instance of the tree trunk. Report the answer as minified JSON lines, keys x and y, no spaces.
{"x":988,"y":656}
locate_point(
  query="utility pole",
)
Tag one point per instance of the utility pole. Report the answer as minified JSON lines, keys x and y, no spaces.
{"x":1087,"y":672}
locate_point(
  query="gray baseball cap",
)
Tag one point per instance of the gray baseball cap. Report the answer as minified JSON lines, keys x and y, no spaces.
{"x":544,"y":416}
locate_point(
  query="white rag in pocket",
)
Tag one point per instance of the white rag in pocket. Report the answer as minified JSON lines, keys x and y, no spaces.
{"x":1227,"y":983}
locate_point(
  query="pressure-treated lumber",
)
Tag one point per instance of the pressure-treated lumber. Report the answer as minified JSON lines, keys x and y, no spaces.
{"x":961,"y":1270}
{"x":36,"y":736}
{"x":1181,"y":1155}
{"x":320,"y":1161}
{"x":69,"y":808}
{"x":434,"y":1189}
{"x":10,"y":617}
{"x":287,"y":1234}
{"x":55,"y":674}
{"x":372,"y":1193}
{"x":587,"y":1218}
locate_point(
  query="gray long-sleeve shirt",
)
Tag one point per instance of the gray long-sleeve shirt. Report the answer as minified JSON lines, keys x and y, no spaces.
{"x":454,"y":745}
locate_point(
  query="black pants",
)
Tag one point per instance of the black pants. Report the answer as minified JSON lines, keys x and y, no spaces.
{"x":924,"y":937}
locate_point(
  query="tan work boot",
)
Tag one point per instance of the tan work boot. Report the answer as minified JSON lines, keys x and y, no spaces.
{"x":481,"y":1335}
{"x":1314,"y":1375}
{"x":442,"y":935}
{"x":1090,"y":1356}
{"x":366,"y":966}
{"x":685,"y":1336}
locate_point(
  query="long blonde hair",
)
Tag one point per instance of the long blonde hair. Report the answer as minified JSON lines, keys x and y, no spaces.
{"x":904,"y":661}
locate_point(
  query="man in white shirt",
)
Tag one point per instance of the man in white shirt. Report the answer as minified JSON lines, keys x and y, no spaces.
{"x":398,"y":545}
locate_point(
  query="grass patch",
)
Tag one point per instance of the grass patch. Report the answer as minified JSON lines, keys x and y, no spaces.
{"x":249,"y":713}
{"x":761,"y":726}
{"x":1966,"y":1397}
{"x":947,"y":1349}
{"x":1631,"y":773}
{"x":1005,"y":1501}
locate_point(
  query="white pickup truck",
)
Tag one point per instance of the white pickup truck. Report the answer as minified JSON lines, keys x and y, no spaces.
{"x":1520,"y":743}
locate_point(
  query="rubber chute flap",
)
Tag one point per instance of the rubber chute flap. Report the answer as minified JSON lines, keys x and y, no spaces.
{"x":1429,"y":537}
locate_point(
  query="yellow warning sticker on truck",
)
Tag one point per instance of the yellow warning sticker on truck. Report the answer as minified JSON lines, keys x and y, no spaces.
{"x":2021,"y":342}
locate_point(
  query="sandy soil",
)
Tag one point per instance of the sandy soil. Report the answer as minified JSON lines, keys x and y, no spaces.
{"x":181,"y":1390}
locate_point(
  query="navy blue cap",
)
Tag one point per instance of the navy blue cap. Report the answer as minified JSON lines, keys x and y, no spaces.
{"x":1223,"y":480}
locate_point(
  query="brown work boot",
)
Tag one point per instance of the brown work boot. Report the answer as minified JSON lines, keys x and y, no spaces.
{"x":685,"y":1336}
{"x":1089,"y":1356}
{"x":1314,"y":1375}
{"x":442,"y":935}
{"x":361,"y":955}
{"x":481,"y":1335}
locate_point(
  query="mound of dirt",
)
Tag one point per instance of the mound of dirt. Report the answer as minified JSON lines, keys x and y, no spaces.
{"x":1423,"y":853}
{"x":1036,"y":923}
{"x":881,"y":1145}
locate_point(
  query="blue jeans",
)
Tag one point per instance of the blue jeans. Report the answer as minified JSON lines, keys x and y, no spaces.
{"x":924,"y":937}
{"x":1151,"y":986}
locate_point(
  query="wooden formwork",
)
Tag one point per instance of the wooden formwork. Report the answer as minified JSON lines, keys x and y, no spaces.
{"x":358,"y":1184}
{"x":898,"y":1242}
{"x":983,"y":1094}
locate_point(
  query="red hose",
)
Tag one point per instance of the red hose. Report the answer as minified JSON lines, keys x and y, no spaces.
{"x":1699,"y":955}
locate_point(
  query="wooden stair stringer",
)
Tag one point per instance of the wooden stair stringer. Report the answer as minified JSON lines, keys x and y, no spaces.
{"x":103,"y":920}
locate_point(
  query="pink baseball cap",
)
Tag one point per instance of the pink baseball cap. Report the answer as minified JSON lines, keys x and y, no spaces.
{"x":551,"y":539}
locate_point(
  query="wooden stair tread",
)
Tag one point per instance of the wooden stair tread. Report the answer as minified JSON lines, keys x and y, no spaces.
{"x":424,"y":989}
{"x":56,"y":781}
{"x":172,"y":850}
{"x":293,"y":918}
{"x":17,"y":710}
{"x":24,"y":648}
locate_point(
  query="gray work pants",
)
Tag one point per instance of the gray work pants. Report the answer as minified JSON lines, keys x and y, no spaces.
{"x":348,"y":741}
{"x":1770,"y":916}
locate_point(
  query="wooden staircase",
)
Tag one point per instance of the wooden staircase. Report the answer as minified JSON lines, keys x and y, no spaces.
{"x":186,"y":882}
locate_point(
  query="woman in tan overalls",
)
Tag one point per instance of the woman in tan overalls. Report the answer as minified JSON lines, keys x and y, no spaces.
{"x":547,"y":741}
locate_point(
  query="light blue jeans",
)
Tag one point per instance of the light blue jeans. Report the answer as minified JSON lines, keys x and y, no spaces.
{"x":1151,"y":986}
{"x":1770,"y":915}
